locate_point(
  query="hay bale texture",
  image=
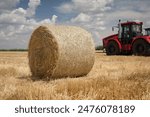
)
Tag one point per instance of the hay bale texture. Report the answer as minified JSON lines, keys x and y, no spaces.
{"x":60,"y":51}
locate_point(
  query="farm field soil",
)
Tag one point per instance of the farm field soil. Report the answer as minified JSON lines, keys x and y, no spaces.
{"x":112,"y":78}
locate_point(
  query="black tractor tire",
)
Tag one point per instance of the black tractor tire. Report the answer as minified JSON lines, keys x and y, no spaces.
{"x":141,"y":48}
{"x":112,"y":48}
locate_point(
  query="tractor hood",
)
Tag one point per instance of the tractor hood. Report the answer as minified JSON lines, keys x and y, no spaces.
{"x":111,"y":36}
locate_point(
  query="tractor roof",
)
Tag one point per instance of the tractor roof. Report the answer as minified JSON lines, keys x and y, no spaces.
{"x":132,"y":22}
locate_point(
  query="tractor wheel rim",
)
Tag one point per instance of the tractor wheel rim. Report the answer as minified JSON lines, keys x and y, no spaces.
{"x":140,"y":48}
{"x":112,"y":49}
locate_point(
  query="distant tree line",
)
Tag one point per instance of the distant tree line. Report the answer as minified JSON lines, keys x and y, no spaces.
{"x":99,"y":47}
{"x":13,"y":50}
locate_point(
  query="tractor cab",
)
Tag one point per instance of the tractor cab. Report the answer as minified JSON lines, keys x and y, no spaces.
{"x":147,"y":31}
{"x":128,"y":30}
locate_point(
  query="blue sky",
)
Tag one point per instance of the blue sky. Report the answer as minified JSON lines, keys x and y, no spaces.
{"x":18,"y":18}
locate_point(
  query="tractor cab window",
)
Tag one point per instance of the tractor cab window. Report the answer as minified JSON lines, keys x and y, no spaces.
{"x":147,"y":31}
{"x":126,"y":32}
{"x":137,"y":30}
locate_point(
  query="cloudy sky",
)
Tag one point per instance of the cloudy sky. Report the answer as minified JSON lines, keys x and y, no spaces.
{"x":18,"y":18}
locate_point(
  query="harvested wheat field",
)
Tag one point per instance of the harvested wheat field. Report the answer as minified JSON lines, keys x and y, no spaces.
{"x":112,"y":77}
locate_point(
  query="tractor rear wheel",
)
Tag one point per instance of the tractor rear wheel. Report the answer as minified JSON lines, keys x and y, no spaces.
{"x":141,"y":48}
{"x":112,"y":48}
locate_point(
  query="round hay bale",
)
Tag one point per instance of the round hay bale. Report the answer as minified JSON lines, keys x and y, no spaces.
{"x":60,"y":51}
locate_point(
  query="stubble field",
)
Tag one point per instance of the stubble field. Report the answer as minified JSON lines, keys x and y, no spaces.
{"x":112,"y":77}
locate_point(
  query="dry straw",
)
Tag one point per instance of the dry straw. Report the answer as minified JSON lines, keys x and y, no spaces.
{"x":60,"y":51}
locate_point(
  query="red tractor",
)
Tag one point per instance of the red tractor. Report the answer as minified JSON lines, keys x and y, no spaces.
{"x":129,"y":40}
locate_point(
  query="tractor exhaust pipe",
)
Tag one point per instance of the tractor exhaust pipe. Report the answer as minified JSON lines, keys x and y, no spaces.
{"x":120,"y":29}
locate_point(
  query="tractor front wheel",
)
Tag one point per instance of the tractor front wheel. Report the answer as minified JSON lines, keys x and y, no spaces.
{"x":112,"y":48}
{"x":140,"y":48}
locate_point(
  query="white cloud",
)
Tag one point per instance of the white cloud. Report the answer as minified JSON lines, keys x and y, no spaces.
{"x":32,"y":5}
{"x":54,"y":19}
{"x":16,"y":16}
{"x":82,"y":17}
{"x":65,"y":8}
{"x":91,"y":5}
{"x":7,"y":4}
{"x":84,"y":6}
{"x":19,"y":11}
{"x":126,"y":14}
{"x":91,"y":22}
{"x":90,"y":14}
{"x":18,"y":24}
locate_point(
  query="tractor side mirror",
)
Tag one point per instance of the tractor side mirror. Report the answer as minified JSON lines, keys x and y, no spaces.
{"x":113,"y":28}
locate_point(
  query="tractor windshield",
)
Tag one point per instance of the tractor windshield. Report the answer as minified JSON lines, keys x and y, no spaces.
{"x":147,"y":31}
{"x":137,"y":28}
